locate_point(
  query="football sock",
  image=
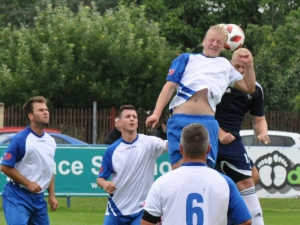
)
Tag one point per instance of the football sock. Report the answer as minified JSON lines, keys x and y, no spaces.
{"x":252,"y":202}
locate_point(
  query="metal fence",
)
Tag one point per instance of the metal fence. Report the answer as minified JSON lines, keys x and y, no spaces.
{"x":79,"y":122}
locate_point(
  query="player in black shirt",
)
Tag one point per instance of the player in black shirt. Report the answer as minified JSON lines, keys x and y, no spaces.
{"x":232,"y":157}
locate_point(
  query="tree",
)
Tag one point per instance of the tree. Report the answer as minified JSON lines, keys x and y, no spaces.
{"x":74,"y":59}
{"x":275,"y":12}
{"x":277,"y":61}
{"x":17,"y":12}
{"x":184,"y":23}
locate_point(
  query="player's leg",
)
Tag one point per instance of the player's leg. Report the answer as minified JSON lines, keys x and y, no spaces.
{"x":212,"y":126}
{"x":14,"y":206}
{"x":237,"y":166}
{"x":39,"y":213}
{"x":175,"y":126}
{"x":255,"y":174}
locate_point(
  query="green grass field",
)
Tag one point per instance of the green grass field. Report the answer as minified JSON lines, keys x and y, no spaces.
{"x":90,"y":211}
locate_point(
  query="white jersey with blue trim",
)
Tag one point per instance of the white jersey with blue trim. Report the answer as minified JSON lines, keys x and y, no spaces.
{"x":132,"y":168}
{"x":195,"y":72}
{"x":196,"y":194}
{"x":32,"y":156}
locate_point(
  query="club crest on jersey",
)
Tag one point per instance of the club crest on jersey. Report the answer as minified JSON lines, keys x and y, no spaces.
{"x":171,"y":72}
{"x":249,"y":96}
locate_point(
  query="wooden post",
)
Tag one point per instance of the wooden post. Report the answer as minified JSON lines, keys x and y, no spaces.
{"x":1,"y":114}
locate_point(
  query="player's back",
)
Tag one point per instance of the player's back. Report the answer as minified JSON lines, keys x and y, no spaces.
{"x":194,"y":195}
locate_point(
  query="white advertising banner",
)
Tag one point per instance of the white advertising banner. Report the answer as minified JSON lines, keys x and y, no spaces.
{"x":279,"y":170}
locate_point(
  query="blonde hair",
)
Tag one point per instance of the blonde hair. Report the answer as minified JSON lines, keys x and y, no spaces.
{"x":220,"y":29}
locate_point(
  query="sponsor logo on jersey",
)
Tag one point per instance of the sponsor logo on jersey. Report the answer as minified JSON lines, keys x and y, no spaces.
{"x":40,"y":140}
{"x":171,"y":72}
{"x":130,"y":147}
{"x":7,"y":156}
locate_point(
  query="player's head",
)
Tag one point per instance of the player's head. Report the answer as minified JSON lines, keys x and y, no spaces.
{"x":236,"y":63}
{"x":117,"y":125}
{"x":35,"y":110}
{"x":214,"y":40}
{"x":194,"y":141}
{"x":128,"y":119}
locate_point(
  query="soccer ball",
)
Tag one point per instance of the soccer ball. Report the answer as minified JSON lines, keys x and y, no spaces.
{"x":236,"y":37}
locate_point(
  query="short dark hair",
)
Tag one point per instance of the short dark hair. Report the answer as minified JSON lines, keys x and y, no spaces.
{"x":194,"y":140}
{"x":27,"y":107}
{"x":125,"y":107}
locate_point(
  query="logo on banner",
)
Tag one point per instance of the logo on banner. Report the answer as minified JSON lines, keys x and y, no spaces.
{"x":277,"y":172}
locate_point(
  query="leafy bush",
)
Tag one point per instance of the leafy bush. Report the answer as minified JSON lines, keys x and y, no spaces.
{"x":73,"y":59}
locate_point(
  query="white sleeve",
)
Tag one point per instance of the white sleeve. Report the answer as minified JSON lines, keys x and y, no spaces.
{"x":153,"y":201}
{"x":159,"y":146}
{"x":234,"y":76}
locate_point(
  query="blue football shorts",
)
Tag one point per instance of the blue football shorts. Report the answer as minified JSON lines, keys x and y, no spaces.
{"x":22,"y":207}
{"x":175,"y":126}
{"x":134,"y":219}
{"x":234,"y":161}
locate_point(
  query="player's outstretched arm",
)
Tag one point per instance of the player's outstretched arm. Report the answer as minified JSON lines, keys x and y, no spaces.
{"x":163,"y":99}
{"x":247,"y":84}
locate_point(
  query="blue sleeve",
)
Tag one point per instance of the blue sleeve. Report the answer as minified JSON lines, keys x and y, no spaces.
{"x":106,"y":168}
{"x":177,"y":68}
{"x":14,"y":152}
{"x":237,"y":209}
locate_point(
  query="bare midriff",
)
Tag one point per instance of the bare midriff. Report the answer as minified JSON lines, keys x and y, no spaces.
{"x":196,"y":105}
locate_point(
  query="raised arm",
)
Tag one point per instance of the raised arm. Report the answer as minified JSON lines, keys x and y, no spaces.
{"x":247,"y":84}
{"x":163,"y":99}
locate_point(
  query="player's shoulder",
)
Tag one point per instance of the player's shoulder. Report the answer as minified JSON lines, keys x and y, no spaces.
{"x":144,"y":137}
{"x":22,"y":135}
{"x":258,"y":86}
{"x":111,"y":148}
{"x":48,"y":136}
{"x":183,"y":57}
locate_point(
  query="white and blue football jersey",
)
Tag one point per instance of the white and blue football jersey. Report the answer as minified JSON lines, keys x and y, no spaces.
{"x":194,"y":72}
{"x":32,"y":156}
{"x":132,"y":168}
{"x":196,"y":194}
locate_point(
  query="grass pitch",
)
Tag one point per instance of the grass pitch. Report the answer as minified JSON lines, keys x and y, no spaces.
{"x":90,"y":211}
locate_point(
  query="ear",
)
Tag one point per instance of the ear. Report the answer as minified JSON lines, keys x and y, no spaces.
{"x":30,"y":116}
{"x":208,"y":149}
{"x":181,"y":149}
